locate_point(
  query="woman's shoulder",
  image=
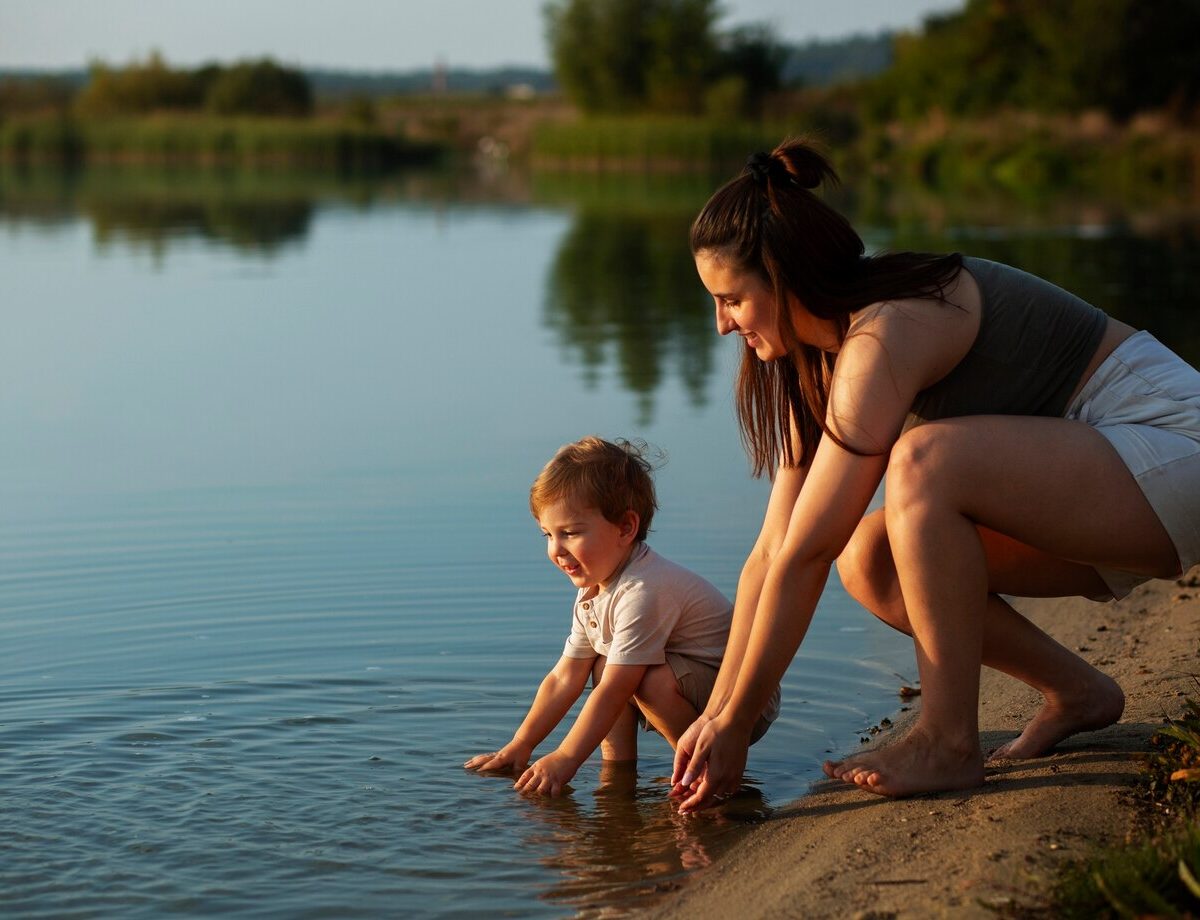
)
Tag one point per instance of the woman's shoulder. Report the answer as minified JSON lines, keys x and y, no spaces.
{"x":958,"y":307}
{"x":929,"y":335}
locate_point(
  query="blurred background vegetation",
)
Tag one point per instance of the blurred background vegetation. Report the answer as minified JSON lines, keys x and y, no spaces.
{"x":1029,"y":94}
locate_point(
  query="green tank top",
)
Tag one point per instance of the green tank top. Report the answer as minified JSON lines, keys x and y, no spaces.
{"x":1034,"y":341}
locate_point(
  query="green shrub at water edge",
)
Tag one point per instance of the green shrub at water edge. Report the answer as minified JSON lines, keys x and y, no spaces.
{"x":648,"y":142}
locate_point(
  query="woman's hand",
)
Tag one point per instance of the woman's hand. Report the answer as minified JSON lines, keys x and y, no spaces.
{"x":684,"y":751}
{"x":712,"y":763}
{"x":548,"y":775}
{"x":513,"y":757}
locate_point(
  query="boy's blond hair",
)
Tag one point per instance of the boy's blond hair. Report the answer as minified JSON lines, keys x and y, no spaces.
{"x":612,"y":478}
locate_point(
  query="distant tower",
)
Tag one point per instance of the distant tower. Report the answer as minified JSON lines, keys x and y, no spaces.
{"x":439,"y":78}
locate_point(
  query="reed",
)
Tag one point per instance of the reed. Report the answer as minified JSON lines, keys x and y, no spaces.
{"x":649,"y":143}
{"x":175,"y":140}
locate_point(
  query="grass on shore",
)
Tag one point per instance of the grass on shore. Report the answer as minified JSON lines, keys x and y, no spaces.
{"x":668,"y":144}
{"x":167,"y":140}
{"x":1028,"y":155}
{"x":1159,"y":875}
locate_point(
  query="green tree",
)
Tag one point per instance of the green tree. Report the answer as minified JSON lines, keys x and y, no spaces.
{"x":1120,"y":56}
{"x":656,"y":55}
{"x":260,"y":88}
{"x":141,"y":88}
{"x":683,"y":54}
{"x":752,"y":60}
{"x":599,"y":49}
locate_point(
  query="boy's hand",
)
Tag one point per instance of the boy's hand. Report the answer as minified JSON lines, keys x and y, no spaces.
{"x":548,"y":775}
{"x":513,"y":757}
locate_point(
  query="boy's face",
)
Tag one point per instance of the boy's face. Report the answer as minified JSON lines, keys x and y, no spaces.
{"x":584,"y":544}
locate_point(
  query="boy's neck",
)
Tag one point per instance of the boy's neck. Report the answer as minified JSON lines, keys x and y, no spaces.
{"x":616,"y":573}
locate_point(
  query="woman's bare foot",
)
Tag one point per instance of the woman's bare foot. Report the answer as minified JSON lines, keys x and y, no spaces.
{"x":917,"y":763}
{"x":1098,"y":705}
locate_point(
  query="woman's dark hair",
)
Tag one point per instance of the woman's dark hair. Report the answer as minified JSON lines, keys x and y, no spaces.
{"x":768,"y":221}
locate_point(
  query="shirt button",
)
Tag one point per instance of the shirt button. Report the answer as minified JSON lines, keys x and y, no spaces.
{"x":592,"y":623}
{"x":587,"y":605}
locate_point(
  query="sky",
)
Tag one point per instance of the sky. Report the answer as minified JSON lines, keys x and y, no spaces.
{"x":367,"y":35}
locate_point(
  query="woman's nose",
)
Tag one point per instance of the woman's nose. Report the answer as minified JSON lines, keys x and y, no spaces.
{"x":725,"y":323}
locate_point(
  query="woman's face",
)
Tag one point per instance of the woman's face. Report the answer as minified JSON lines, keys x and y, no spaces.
{"x":745,"y":304}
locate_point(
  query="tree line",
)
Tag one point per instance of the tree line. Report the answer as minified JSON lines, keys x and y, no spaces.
{"x":259,"y":88}
{"x":1115,"y":56}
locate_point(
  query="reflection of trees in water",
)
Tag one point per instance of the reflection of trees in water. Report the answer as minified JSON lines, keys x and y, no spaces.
{"x":260,"y":226}
{"x":631,"y":844}
{"x":152,"y":208}
{"x":623,"y":289}
{"x":254,"y":211}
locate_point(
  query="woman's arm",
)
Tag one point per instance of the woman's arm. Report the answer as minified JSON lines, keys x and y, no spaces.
{"x":784,"y":492}
{"x":894,"y":351}
{"x":836,"y":493}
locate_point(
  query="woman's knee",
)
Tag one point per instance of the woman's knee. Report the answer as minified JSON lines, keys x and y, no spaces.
{"x":922,"y":467}
{"x":865,"y":565}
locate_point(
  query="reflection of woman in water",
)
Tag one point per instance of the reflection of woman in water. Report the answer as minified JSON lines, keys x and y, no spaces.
{"x":1033,"y":447}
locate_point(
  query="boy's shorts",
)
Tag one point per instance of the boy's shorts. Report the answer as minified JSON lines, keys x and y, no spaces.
{"x":1146,"y":401}
{"x":696,"y":680}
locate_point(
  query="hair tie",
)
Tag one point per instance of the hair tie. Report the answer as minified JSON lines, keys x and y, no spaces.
{"x":759,"y":166}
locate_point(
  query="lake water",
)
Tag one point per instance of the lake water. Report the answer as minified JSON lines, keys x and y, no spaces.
{"x":267,"y":571}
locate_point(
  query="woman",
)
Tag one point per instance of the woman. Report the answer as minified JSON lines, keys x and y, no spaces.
{"x":1032,"y":445}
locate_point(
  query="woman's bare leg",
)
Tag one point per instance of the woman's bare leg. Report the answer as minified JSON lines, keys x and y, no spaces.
{"x":1077,"y":697}
{"x":1049,"y":483}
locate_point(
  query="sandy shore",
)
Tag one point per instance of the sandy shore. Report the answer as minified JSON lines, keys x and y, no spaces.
{"x":841,"y":852}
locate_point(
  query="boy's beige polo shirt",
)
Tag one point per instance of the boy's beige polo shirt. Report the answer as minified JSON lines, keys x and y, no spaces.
{"x":655,"y":606}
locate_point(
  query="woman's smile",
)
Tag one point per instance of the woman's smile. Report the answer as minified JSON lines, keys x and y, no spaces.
{"x":745,"y":304}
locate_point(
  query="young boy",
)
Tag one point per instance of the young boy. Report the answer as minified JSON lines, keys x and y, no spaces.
{"x":648,"y":632}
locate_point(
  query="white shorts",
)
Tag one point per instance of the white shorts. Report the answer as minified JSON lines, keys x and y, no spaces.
{"x":1145,"y":400}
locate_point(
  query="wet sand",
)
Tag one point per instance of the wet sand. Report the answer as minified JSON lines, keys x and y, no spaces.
{"x":841,"y":852}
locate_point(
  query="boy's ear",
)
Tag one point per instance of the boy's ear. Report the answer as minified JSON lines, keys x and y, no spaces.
{"x":630,"y":522}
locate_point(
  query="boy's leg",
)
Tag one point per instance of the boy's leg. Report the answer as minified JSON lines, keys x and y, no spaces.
{"x":665,"y":707}
{"x":621,"y":742}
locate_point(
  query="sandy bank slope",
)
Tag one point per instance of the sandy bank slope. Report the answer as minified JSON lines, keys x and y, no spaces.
{"x":841,"y":852}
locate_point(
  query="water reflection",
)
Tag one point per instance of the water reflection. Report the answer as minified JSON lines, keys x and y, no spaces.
{"x":621,"y":296}
{"x":623,"y":292}
{"x":631,"y":845}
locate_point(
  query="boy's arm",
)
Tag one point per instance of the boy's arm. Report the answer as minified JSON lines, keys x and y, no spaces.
{"x":600,"y":713}
{"x":557,"y":694}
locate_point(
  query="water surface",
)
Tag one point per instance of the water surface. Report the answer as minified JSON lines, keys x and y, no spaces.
{"x":267,"y":572}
